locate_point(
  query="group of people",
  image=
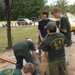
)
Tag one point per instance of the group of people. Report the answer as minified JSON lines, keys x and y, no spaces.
{"x":55,"y":47}
{"x":57,"y":44}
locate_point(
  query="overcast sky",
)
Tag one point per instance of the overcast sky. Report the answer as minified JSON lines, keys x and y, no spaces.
{"x":69,"y":1}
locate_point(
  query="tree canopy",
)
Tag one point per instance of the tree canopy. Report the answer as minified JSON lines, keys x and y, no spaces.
{"x":32,"y":8}
{"x":27,"y":8}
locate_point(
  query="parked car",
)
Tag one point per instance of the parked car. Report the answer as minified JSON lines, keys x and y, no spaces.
{"x":52,"y":19}
{"x":71,"y":18}
{"x":24,"y":21}
{"x":29,"y":22}
{"x":73,"y":29}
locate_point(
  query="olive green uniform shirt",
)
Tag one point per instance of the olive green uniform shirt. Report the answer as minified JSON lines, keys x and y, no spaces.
{"x":11,"y":72}
{"x":65,"y":24}
{"x":23,"y":48}
{"x":54,"y":45}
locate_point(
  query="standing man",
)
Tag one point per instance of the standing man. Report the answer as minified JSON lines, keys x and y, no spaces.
{"x":54,"y":50}
{"x":28,"y":69}
{"x":42,"y":31}
{"x":22,"y":50}
{"x":64,"y":28}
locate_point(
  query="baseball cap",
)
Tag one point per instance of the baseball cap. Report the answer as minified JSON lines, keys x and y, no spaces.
{"x":50,"y":25}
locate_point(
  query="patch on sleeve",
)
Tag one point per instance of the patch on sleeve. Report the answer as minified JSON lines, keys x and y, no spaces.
{"x":7,"y":72}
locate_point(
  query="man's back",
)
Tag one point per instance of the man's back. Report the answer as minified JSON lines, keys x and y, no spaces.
{"x":23,"y":47}
{"x":55,"y":46}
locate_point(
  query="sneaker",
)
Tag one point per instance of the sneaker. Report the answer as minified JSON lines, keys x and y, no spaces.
{"x":40,"y":59}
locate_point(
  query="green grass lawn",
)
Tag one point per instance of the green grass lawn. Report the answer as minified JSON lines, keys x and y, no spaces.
{"x":18,"y":33}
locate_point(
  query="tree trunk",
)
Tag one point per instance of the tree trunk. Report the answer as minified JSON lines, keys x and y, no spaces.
{"x":8,"y":12}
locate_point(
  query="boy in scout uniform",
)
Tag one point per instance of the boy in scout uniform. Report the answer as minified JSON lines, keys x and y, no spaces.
{"x":42,"y":31}
{"x":54,"y":50}
{"x":64,"y":28}
{"x":22,"y":50}
{"x":28,"y":69}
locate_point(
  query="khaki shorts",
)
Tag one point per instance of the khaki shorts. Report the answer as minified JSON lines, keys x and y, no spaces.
{"x":57,"y":68}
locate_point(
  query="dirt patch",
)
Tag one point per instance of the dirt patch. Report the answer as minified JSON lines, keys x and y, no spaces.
{"x":42,"y":67}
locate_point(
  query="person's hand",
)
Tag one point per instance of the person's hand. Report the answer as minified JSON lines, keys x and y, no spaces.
{"x":37,"y":63}
{"x":65,"y":45}
{"x":42,"y":39}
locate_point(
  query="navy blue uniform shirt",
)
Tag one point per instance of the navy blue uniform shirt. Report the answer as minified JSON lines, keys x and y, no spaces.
{"x":41,"y":26}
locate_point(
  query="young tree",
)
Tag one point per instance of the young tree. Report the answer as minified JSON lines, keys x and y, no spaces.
{"x":8,"y":14}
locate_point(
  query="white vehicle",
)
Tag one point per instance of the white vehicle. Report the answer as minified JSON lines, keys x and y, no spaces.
{"x":24,"y":21}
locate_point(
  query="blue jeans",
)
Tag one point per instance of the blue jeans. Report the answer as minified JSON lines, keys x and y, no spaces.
{"x":19,"y":63}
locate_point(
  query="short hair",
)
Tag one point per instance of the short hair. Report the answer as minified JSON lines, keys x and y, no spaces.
{"x":29,"y":39}
{"x":28,"y":68}
{"x":55,"y":10}
{"x":53,"y":30}
{"x":45,"y":12}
